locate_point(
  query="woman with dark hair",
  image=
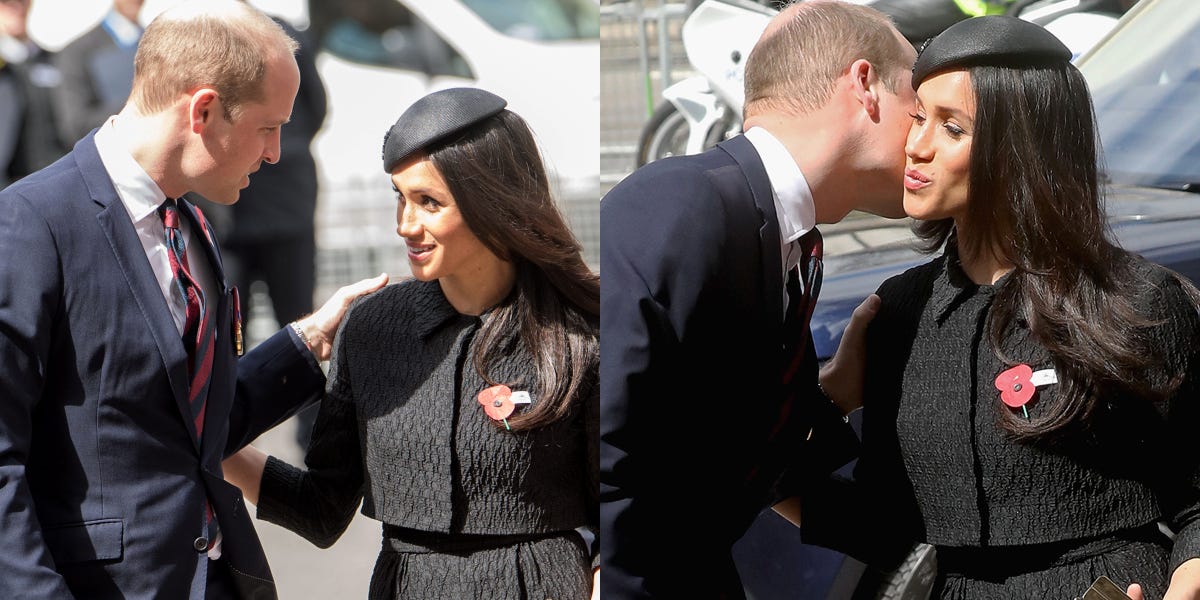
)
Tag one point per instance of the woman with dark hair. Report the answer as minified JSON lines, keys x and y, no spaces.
{"x":462,"y":406}
{"x":1031,"y":405}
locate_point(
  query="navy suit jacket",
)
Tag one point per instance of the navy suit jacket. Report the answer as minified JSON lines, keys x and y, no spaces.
{"x":102,"y":477}
{"x":691,"y":318}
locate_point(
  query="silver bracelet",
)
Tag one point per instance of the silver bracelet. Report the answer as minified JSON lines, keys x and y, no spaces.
{"x":821,"y":390}
{"x":300,"y":332}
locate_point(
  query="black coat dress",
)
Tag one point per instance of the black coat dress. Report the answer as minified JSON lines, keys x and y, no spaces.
{"x":470,"y":510}
{"x":1012,"y":519}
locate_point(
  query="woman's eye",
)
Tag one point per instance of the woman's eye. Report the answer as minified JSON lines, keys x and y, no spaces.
{"x":919,"y":118}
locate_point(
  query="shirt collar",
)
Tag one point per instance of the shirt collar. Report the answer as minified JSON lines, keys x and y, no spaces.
{"x":138,"y":192}
{"x":124,"y":32}
{"x":793,"y":198}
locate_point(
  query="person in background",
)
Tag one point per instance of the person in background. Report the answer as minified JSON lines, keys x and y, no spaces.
{"x":120,"y":336}
{"x":462,"y":405}
{"x":1030,"y":401}
{"x":28,"y":79}
{"x":709,"y":392}
{"x":270,"y":235}
{"x":97,"y":71}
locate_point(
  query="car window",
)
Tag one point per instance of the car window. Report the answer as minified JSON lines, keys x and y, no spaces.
{"x":541,"y":19}
{"x":1145,"y":84}
{"x":384,"y":33}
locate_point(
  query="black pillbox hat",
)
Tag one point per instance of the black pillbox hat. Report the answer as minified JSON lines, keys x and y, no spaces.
{"x":992,"y":40}
{"x":435,"y":117}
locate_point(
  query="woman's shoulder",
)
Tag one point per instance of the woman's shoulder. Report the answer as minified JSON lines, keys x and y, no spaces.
{"x":1165,"y":294}
{"x":913,"y":282}
{"x":407,"y":296}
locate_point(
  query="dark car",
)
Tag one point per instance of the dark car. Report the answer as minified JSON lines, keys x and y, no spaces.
{"x":1145,"y":82}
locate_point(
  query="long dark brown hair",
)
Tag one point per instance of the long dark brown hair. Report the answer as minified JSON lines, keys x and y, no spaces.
{"x":495,"y":173}
{"x":1036,"y":202}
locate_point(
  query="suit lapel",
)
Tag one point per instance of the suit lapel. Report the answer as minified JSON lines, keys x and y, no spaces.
{"x":127,"y":249}
{"x":747,"y":158}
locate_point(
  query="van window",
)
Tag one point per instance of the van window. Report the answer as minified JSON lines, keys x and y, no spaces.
{"x":541,"y":19}
{"x":383,"y":33}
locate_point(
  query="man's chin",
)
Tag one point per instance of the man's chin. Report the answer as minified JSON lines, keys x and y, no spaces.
{"x":224,"y":199}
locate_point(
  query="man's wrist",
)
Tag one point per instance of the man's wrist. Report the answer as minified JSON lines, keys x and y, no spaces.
{"x":295,"y":325}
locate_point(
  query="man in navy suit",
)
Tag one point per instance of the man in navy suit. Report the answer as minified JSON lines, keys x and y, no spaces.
{"x":697,"y":426}
{"x":110,"y":474}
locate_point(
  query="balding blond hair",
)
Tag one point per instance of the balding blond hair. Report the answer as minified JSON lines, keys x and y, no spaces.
{"x":796,"y":63}
{"x":220,"y":44}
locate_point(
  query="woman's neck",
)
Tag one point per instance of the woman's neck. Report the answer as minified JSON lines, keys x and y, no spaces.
{"x":983,"y":267}
{"x":476,"y":293}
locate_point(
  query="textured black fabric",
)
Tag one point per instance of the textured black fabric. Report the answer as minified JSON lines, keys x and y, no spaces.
{"x":932,"y":448}
{"x":435,"y":117}
{"x":993,"y":40}
{"x":555,"y":567}
{"x":401,"y":428}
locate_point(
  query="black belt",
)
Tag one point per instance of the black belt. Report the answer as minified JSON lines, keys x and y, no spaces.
{"x":1002,"y":561}
{"x":402,"y":539}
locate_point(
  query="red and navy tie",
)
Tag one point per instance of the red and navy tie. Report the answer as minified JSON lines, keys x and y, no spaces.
{"x":803,"y":285}
{"x":198,"y":330}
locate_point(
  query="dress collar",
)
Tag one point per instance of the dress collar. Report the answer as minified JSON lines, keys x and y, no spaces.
{"x":953,"y":287}
{"x":437,"y":312}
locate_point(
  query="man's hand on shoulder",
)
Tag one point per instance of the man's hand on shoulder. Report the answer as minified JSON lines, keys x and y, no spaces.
{"x":317,"y":330}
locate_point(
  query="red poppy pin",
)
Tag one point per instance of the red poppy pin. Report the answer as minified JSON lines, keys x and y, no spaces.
{"x":499,"y":401}
{"x":1018,"y":384}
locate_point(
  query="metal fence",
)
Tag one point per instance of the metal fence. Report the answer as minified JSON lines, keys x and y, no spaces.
{"x":640,"y":54}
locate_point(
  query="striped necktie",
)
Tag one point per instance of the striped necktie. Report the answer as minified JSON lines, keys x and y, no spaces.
{"x":803,"y":285}
{"x":198,"y":330}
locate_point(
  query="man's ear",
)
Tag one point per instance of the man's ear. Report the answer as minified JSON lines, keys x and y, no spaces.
{"x":203,"y":108}
{"x":865,"y":83}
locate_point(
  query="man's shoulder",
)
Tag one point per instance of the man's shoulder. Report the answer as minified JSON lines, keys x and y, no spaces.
{"x":679,"y":182}
{"x":58,"y":185}
{"x":690,"y":166}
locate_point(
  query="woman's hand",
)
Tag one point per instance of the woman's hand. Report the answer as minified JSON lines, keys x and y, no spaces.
{"x":1185,"y":583}
{"x":842,"y":376}
{"x":1135,"y":592}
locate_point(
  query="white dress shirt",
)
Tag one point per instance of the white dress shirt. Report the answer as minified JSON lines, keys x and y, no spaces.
{"x":142,"y":197}
{"x":794,"y":207}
